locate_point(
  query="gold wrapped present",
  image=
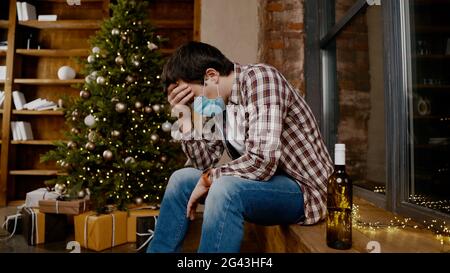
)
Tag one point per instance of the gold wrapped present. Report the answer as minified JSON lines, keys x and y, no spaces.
{"x":72,"y":207}
{"x":101,"y":231}
{"x":131,"y":221}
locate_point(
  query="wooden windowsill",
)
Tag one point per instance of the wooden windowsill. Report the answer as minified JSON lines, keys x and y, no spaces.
{"x":311,"y":239}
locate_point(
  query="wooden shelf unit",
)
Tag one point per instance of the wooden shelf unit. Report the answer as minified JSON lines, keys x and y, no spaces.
{"x":62,"y":40}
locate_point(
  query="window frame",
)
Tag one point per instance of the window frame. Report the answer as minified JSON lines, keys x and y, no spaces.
{"x":321,"y":92}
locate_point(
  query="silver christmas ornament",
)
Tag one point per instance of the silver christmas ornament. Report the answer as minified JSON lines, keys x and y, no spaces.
{"x":136,"y":63}
{"x":119,"y":60}
{"x":129,"y":79}
{"x":101,"y":80}
{"x":151,"y":46}
{"x":115,"y":31}
{"x":166,"y":126}
{"x":121,"y":107}
{"x":88,"y":79}
{"x":156,"y":108}
{"x":90,"y":59}
{"x":138,"y":105}
{"x":81,"y":194}
{"x":89,"y":120}
{"x":138,"y":201}
{"x":85,"y":94}
{"x":107,"y":155}
{"x":71,"y":144}
{"x":115,"y":133}
{"x":94,"y":74}
{"x":129,"y":160}
{"x":60,"y":188}
{"x":148,"y":109}
{"x":154,"y":137}
{"x":96,"y":50}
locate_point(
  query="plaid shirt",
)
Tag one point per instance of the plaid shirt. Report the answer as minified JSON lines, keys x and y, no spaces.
{"x":292,"y":143}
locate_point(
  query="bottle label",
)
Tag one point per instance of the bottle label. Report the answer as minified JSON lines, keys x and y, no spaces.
{"x":339,"y":157}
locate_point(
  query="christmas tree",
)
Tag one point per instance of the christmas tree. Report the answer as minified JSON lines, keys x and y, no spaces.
{"x":119,"y":148}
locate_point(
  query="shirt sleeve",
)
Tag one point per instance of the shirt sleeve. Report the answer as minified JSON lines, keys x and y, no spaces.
{"x":266,"y":109}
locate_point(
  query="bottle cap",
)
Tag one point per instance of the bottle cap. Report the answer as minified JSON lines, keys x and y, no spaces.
{"x":339,"y":147}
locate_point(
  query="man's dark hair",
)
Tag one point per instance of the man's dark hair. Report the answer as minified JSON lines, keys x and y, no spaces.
{"x":190,"y":61}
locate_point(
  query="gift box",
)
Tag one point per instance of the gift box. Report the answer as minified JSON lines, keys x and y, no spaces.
{"x":131,"y":221}
{"x":33,"y":197}
{"x":145,"y":228}
{"x":101,"y":231}
{"x":13,"y":224}
{"x":41,"y":227}
{"x":73,"y":207}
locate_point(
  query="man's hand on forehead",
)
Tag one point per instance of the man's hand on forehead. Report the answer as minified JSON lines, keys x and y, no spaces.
{"x":179,"y":93}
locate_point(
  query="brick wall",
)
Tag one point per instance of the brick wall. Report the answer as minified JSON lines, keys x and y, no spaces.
{"x":282,"y":38}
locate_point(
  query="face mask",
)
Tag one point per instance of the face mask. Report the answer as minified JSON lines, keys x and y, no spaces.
{"x":209,"y":107}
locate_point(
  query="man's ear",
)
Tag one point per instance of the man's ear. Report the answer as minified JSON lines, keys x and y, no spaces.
{"x":212,"y":75}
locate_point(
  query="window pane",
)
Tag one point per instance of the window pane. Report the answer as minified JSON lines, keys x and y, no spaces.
{"x":341,"y":7}
{"x":361,"y":120}
{"x":429,"y":109}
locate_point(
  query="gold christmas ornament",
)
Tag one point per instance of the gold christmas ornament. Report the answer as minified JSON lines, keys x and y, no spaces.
{"x":90,"y":146}
{"x":163,"y":158}
{"x":85,"y":94}
{"x":129,"y":79}
{"x":138,"y":105}
{"x":148,"y":109}
{"x":60,"y":188}
{"x":92,"y":136}
{"x":119,"y":60}
{"x":115,"y":133}
{"x":121,"y":107}
{"x":154,"y":137}
{"x":71,"y":145}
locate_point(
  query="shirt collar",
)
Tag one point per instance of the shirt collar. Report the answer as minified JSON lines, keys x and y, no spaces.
{"x":235,"y":94}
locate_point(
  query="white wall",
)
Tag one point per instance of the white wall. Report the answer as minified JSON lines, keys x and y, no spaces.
{"x":231,"y":26}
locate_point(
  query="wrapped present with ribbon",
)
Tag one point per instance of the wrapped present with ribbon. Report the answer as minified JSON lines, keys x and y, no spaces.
{"x":101,"y":231}
{"x":145,"y":229}
{"x":39,"y":228}
{"x":133,"y":214}
{"x":72,"y":207}
{"x":13,"y":225}
{"x":33,"y":197}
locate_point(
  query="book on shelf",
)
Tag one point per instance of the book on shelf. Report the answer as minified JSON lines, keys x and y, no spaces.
{"x":2,"y":72}
{"x":18,"y":99}
{"x":26,"y":11}
{"x":48,"y":17}
{"x":2,"y":98}
{"x":21,"y":130}
{"x":4,"y":45}
{"x":40,"y":105}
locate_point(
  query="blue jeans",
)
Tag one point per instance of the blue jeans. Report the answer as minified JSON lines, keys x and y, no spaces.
{"x":230,"y":201}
